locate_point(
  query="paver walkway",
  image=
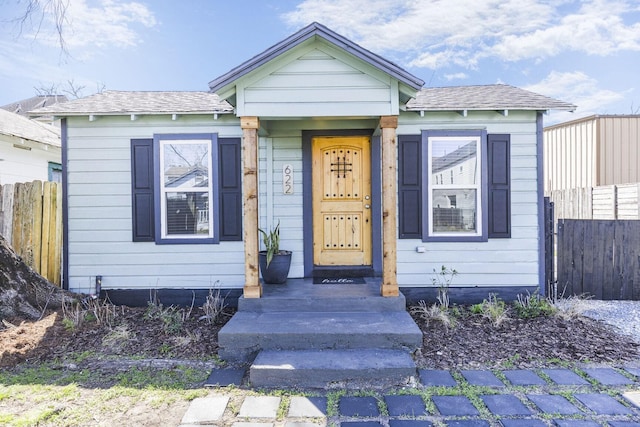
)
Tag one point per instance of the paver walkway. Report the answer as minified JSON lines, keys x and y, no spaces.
{"x":580,"y":397}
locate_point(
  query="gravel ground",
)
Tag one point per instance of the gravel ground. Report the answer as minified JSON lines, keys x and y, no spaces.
{"x":624,"y":315}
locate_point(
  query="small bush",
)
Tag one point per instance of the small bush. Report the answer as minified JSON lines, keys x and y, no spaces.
{"x":171,"y":317}
{"x":213,"y":306}
{"x":533,"y":305}
{"x":434,"y":312}
{"x":494,"y":309}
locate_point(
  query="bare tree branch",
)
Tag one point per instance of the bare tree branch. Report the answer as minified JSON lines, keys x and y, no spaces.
{"x":38,"y":12}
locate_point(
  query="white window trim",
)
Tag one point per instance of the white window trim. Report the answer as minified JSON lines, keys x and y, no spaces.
{"x":163,"y":191}
{"x":478,"y":186}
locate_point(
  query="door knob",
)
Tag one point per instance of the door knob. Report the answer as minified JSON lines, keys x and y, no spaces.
{"x":367,"y":206}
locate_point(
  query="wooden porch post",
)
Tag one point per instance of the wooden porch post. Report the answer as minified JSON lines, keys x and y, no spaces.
{"x":250,"y":125}
{"x":388,"y":125}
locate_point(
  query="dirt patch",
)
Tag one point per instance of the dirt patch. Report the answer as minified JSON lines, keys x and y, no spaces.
{"x":132,"y":333}
{"x":521,"y":343}
{"x":473,"y":342}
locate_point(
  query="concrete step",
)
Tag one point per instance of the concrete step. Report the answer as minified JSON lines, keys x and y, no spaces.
{"x":332,"y":368}
{"x":303,"y":295}
{"x":249,"y":332}
{"x":309,"y":303}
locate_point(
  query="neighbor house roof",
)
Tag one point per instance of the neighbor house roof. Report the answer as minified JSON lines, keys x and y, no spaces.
{"x":316,"y":30}
{"x":120,"y":102}
{"x":489,"y":97}
{"x":20,"y":127}
{"x":23,"y":106}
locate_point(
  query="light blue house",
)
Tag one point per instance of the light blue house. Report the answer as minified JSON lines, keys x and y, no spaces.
{"x":369,"y":174}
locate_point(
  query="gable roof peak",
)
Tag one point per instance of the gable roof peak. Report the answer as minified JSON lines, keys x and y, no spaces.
{"x":315,"y":29}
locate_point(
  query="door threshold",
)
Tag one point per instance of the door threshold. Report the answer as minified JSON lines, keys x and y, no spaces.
{"x":339,"y":271}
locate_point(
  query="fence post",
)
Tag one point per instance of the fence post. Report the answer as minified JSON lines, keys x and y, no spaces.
{"x":549,"y":258}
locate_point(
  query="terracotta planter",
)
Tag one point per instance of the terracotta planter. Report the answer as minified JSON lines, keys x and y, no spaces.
{"x":278,"y":269}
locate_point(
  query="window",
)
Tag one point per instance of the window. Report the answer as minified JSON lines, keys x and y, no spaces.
{"x":186,"y":187}
{"x":55,"y":172}
{"x":473,"y":205}
{"x":454,"y":208}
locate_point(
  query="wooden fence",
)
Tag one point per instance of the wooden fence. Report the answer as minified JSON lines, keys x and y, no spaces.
{"x":31,"y":221}
{"x":600,"y":258}
{"x":620,"y":201}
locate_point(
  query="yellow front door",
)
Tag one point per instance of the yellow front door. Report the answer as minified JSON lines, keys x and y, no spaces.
{"x":341,"y":201}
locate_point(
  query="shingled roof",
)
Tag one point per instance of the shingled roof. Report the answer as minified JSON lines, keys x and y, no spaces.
{"x":20,"y":127}
{"x":453,"y":98}
{"x":23,"y":106}
{"x":489,"y":97}
{"x":119,"y":102}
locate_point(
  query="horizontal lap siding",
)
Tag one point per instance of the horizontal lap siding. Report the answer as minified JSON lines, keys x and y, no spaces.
{"x":99,"y":200}
{"x":286,"y":148}
{"x":318,"y":81}
{"x":498,"y":262}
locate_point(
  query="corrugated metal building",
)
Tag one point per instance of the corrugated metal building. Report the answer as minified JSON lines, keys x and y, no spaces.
{"x":592,"y":151}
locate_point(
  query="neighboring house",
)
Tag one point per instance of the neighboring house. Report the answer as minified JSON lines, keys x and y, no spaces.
{"x":592,"y":151}
{"x":353,"y":157}
{"x":23,"y":106}
{"x":29,"y":150}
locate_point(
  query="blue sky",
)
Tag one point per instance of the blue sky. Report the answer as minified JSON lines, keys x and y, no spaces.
{"x":584,"y":52}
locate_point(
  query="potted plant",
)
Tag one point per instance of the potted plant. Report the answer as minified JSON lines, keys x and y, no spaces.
{"x":274,"y":262}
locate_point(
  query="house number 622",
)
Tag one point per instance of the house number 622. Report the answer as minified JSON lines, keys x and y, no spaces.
{"x":287,"y":179}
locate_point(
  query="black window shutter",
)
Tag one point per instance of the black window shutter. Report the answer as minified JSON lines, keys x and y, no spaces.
{"x":409,"y":187}
{"x":142,"y":190}
{"x":499,"y":159}
{"x":230,"y":191}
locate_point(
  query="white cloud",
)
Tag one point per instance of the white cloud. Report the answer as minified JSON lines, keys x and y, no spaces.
{"x":438,"y":33}
{"x":577,"y":88}
{"x":100,"y":23}
{"x":456,"y":76}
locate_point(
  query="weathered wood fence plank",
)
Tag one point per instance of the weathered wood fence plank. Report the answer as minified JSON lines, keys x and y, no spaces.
{"x":31,"y":219}
{"x":599,"y":258}
{"x":620,"y":201}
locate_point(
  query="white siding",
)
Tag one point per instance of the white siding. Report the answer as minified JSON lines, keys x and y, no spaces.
{"x":18,"y":165}
{"x":99,"y":199}
{"x":498,"y":262}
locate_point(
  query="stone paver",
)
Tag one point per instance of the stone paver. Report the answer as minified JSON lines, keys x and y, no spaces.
{"x":576,"y":423}
{"x":412,"y":406}
{"x":602,"y":404}
{"x":302,"y":424}
{"x":455,"y":405}
{"x":522,"y":422}
{"x":482,"y":378}
{"x":565,"y":377}
{"x":612,"y":400}
{"x":361,"y":424}
{"x":308,"y":407}
{"x":203,"y":410}
{"x":633,"y":397}
{"x":505,"y":404}
{"x":468,"y":423}
{"x":225,"y":377}
{"x":409,"y":423}
{"x":246,"y":424}
{"x":633,"y":371}
{"x":553,"y":404}
{"x":523,"y":377}
{"x":437,"y":377}
{"x":259,"y":407}
{"x":359,"y":406}
{"x":607,"y":376}
{"x":624,"y":424}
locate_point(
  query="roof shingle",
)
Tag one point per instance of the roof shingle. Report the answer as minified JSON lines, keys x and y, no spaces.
{"x":488,"y":97}
{"x":121,"y":102}
{"x":15,"y":125}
